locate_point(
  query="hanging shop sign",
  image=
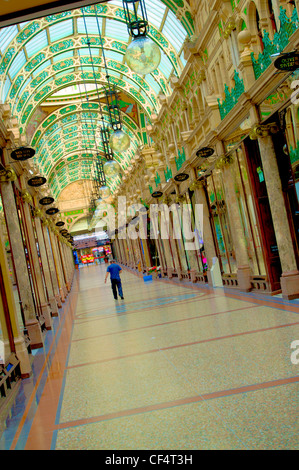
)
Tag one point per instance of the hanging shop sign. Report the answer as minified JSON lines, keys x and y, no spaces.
{"x":36,"y":181}
{"x":52,"y":211}
{"x":64,"y":231}
{"x":181,"y":177}
{"x":60,"y":224}
{"x":46,"y":201}
{"x":288,"y":62}
{"x":22,"y":153}
{"x":157,"y":194}
{"x":205,"y":152}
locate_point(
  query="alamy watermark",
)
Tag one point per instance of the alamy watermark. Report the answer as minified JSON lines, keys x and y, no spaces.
{"x":2,"y":353}
{"x":295,"y":354}
{"x":177,"y":222}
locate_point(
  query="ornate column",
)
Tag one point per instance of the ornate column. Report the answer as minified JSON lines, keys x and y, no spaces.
{"x":46,"y":269}
{"x":290,"y":274}
{"x":19,"y":340}
{"x":16,"y":243}
{"x":243,"y":268}
{"x":62,"y":263}
{"x":45,"y":308}
{"x":58,"y":267}
{"x":52,"y":267}
{"x":209,"y":246}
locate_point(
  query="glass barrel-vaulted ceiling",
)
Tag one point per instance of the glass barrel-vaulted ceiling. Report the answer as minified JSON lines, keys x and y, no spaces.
{"x":52,"y":75}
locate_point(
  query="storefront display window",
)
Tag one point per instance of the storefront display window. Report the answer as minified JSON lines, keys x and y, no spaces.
{"x":9,"y":257}
{"x":247,"y":213}
{"x":221,"y":227}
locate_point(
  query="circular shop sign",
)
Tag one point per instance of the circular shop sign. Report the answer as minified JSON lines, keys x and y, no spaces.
{"x":288,"y":62}
{"x":52,"y":211}
{"x":63,"y":232}
{"x":60,"y":224}
{"x":181,"y":177}
{"x":22,"y":153}
{"x":157,"y":194}
{"x":205,"y":152}
{"x":46,"y":201}
{"x":36,"y":181}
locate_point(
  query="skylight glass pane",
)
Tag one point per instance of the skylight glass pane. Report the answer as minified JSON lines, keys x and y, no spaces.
{"x":152,"y":82}
{"x":91,"y":25}
{"x":114,"y":55}
{"x":63,"y":55}
{"x":61,"y":30}
{"x":24,"y":86}
{"x":36,"y":44}
{"x":184,"y":62}
{"x":117,"y":3}
{"x":165,"y":65}
{"x":174,"y":31}
{"x":6,"y":88}
{"x":17,"y":64}
{"x":41,"y":67}
{"x":85,"y":51}
{"x":116,"y":30}
{"x":155,"y":11}
{"x":6,"y":36}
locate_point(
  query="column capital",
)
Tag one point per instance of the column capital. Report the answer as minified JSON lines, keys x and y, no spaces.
{"x":263,"y":130}
{"x":197,"y":185}
{"x":7,"y":174}
{"x":26,"y":196}
{"x":224,"y":161}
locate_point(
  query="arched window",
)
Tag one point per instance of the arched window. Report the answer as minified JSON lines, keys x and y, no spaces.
{"x":272,"y":16}
{"x":259,"y":31}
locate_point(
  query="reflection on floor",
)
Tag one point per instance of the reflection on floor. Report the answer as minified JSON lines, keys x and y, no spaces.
{"x":170,"y":367}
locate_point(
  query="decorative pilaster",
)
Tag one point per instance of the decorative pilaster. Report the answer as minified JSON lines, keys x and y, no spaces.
{"x":290,"y":274}
{"x":243,"y":268}
{"x":209,"y":247}
{"x":45,"y":308}
{"x":16,"y":242}
{"x":46,"y":269}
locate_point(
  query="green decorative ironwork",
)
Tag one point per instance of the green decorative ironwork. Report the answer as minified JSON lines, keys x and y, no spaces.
{"x":150,"y":189}
{"x":231,"y":97}
{"x":294,"y":153}
{"x":157,"y":179}
{"x":281,"y":39}
{"x":181,"y":159}
{"x":167,"y":174}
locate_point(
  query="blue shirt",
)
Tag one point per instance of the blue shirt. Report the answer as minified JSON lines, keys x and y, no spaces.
{"x":114,"y":270}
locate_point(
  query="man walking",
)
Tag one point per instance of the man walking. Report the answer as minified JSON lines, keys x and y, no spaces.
{"x":114,"y":269}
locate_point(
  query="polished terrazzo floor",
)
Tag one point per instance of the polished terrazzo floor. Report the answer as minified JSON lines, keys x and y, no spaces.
{"x":172,"y":366}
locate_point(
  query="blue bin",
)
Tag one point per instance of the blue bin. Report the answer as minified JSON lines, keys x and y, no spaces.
{"x":148,"y":278}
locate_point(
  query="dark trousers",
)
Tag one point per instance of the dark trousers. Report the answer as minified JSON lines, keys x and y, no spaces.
{"x":116,"y":284}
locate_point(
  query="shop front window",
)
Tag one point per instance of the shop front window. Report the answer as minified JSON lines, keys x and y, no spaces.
{"x":247,"y":213}
{"x":222,"y":229}
{"x":9,"y":256}
{"x":200,"y":255}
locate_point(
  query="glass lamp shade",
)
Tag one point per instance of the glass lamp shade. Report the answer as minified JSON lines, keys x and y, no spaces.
{"x":143,"y":55}
{"x":111,"y":168}
{"x":119,"y":141}
{"x":105,"y":192}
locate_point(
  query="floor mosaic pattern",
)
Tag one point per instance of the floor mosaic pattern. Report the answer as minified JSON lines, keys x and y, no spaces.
{"x":172,"y":366}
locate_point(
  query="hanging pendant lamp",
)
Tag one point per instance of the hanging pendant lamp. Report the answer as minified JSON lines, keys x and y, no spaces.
{"x":143,"y":55}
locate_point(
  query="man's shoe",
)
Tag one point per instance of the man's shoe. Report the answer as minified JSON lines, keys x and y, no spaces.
{"x":122,"y":298}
